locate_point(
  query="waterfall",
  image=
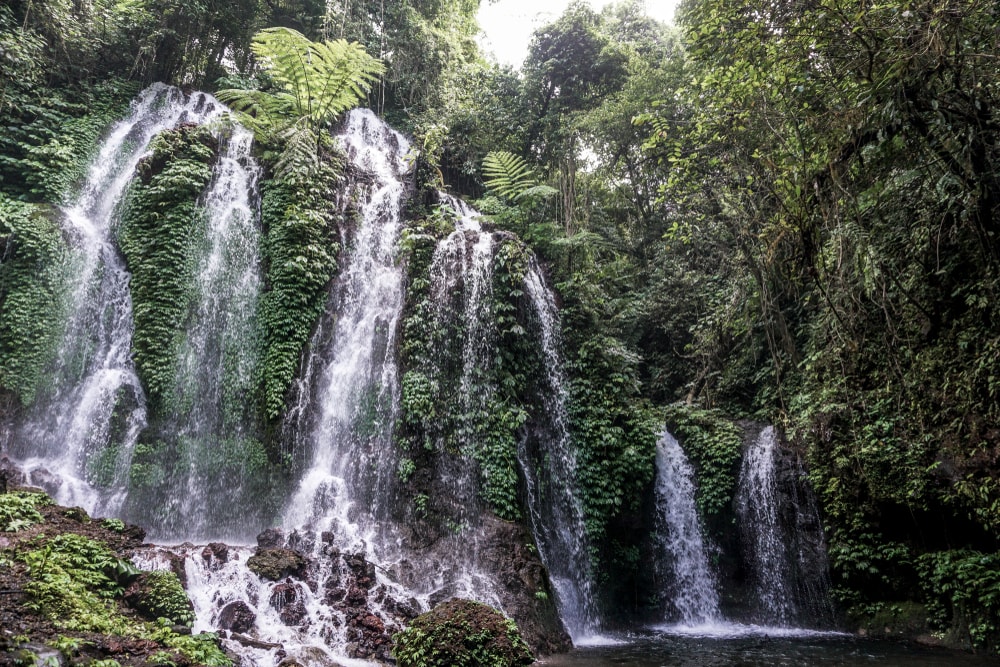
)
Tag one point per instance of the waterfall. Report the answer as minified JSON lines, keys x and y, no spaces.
{"x":758,"y":510}
{"x":693,"y":591}
{"x":464,"y":260}
{"x":556,"y":513}
{"x":346,"y":484}
{"x":782,"y":538}
{"x":218,"y":353}
{"x":78,"y":438}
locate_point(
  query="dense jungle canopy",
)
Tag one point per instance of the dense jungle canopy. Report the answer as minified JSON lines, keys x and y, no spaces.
{"x":786,"y":212}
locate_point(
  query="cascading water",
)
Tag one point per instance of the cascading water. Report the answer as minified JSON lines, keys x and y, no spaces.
{"x":465,"y":260}
{"x":758,"y":510}
{"x":556,"y":514}
{"x":782,"y":538}
{"x":343,"y":423}
{"x":218,"y":353}
{"x":693,"y":589}
{"x":78,"y":438}
{"x":351,"y":454}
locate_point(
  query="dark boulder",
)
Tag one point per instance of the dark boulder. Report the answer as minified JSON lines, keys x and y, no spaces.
{"x":215,"y":554}
{"x":271,"y":538}
{"x":237,"y":617}
{"x":287,"y":601}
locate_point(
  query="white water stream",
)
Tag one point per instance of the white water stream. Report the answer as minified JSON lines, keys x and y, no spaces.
{"x":77,"y":440}
{"x":693,"y":590}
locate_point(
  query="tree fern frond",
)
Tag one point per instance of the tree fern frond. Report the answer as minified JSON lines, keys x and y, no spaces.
{"x":507,"y":174}
{"x":313,"y":83}
{"x":299,"y":159}
{"x":537,"y":192}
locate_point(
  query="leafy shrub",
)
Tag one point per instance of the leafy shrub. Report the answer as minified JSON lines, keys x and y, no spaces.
{"x":159,"y":594}
{"x":73,"y":582}
{"x":962,"y":589}
{"x":461,"y":633}
{"x":18,"y":510}
{"x":116,"y":525}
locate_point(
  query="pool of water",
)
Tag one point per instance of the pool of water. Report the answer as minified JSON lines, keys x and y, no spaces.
{"x":750,"y":646}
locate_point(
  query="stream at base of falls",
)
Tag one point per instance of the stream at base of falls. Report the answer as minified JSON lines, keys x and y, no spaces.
{"x":740,"y":646}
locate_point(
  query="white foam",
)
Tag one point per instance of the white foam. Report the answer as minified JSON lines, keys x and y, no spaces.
{"x":724,"y":630}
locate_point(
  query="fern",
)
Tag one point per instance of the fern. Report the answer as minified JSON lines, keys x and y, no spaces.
{"x":509,"y":175}
{"x":312,"y":84}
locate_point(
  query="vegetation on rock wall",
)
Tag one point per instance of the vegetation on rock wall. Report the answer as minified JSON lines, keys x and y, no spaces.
{"x":300,"y":253}
{"x":786,"y":212}
{"x":33,"y":256}
{"x":78,"y":592}
{"x":157,"y":236}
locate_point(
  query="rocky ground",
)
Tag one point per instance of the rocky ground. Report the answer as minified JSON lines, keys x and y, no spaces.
{"x":34,"y":631}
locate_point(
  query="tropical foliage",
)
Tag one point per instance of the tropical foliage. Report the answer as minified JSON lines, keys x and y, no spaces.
{"x":309,"y":85}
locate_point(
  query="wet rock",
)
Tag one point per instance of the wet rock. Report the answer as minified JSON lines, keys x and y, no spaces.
{"x":215,"y":554}
{"x":253,"y":643}
{"x":271,"y":538}
{"x":287,"y":600}
{"x":45,"y":480}
{"x":10,"y":474}
{"x":327,"y":537}
{"x":277,"y":563}
{"x":373,"y":622}
{"x":177,"y":567}
{"x":77,"y":514}
{"x":237,"y":617}
{"x":441,"y":595}
{"x":357,"y":596}
{"x":364,"y":572}
{"x":334,"y":596}
{"x":309,"y":656}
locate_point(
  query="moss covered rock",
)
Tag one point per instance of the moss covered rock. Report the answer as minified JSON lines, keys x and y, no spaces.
{"x":159,"y":595}
{"x":461,"y":633}
{"x":277,"y":563}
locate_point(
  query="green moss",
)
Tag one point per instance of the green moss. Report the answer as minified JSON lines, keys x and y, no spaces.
{"x":78,"y":583}
{"x":300,"y":251}
{"x":157,"y":234}
{"x":713,"y":443}
{"x":31,"y":275}
{"x":461,"y":633}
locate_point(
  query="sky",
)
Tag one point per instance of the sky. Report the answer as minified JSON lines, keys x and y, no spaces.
{"x":508,"y":24}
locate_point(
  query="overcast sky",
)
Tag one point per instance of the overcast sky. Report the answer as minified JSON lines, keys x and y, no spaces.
{"x":508,"y":24}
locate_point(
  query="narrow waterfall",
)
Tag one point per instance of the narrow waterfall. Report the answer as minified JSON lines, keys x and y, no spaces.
{"x":758,"y":508}
{"x":78,"y":438}
{"x":461,"y":286}
{"x":346,"y":483}
{"x":465,"y":260}
{"x":218,"y":353}
{"x":556,"y":513}
{"x":782,"y":538}
{"x":693,"y":590}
